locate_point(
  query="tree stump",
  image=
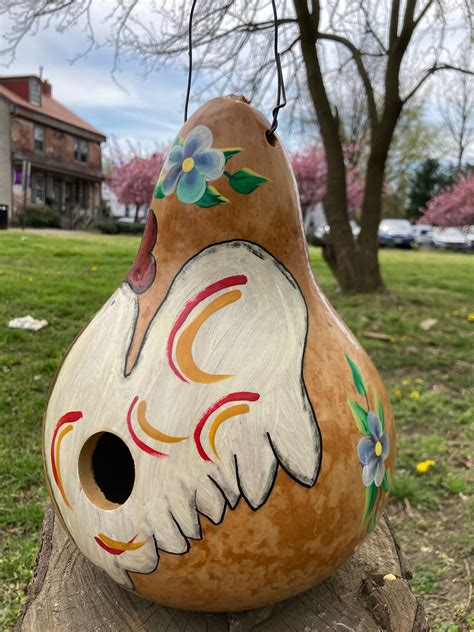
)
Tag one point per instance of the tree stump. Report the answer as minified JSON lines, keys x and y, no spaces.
{"x":68,"y":593}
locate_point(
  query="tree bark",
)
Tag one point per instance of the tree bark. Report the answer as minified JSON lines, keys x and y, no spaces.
{"x":70,"y":593}
{"x":137,"y":212}
{"x":355,"y":268}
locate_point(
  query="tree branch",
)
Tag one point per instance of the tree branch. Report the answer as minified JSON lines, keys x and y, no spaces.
{"x":431,"y":71}
{"x":55,"y":9}
{"x":357,"y":56}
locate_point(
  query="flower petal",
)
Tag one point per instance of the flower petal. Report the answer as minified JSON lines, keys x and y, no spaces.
{"x":171,"y":179}
{"x":369,"y":470}
{"x":385,"y":441}
{"x":366,"y":450}
{"x":379,"y":472}
{"x":191,"y":187}
{"x":375,"y":427}
{"x":198,"y":139}
{"x":175,"y":157}
{"x":210,"y":163}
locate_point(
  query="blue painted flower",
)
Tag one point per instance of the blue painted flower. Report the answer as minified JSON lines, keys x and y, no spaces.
{"x":189,"y":167}
{"x":373,"y":451}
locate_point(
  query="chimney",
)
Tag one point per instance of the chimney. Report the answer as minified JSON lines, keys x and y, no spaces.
{"x":47,"y":88}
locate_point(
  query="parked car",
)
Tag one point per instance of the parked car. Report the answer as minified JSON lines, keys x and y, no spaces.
{"x":423,"y":234}
{"x":449,"y":238}
{"x":396,"y":232}
{"x":321,"y":233}
{"x":470,"y":237}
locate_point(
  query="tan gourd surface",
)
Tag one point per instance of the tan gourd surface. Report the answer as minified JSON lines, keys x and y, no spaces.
{"x":300,"y":534}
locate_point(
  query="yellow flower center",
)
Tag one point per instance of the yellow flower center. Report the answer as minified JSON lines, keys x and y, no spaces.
{"x":188,"y":164}
{"x":378,"y":448}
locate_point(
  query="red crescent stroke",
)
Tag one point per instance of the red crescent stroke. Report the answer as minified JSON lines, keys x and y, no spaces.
{"x":238,"y":279}
{"x":109,"y":549}
{"x":232,"y":397}
{"x":141,"y":444}
{"x":68,"y":418}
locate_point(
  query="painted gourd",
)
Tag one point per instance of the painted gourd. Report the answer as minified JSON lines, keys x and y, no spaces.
{"x":216,"y":438}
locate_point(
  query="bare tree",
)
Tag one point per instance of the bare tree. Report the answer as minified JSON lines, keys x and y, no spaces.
{"x":456,"y":105}
{"x":392,"y":46}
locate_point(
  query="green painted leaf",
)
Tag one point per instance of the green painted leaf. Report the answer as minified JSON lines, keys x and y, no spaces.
{"x":380,"y":411}
{"x":245,"y":180}
{"x":179,"y":140}
{"x":158,"y":190}
{"x":372,"y":523}
{"x":386,"y":481}
{"x":357,"y":377}
{"x":212,"y":197}
{"x":230,"y":152}
{"x":360,"y":416}
{"x":370,"y":497}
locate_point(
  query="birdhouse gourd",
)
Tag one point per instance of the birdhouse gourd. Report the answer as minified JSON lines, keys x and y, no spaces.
{"x":216,"y":438}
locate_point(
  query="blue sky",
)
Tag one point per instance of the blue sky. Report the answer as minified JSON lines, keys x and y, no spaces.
{"x":145,"y":110}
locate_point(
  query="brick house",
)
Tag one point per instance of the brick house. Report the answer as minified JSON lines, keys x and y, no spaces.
{"x":59,"y":151}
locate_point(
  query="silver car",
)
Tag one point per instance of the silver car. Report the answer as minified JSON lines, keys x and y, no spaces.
{"x":449,"y":238}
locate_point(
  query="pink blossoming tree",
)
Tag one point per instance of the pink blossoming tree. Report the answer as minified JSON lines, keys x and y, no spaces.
{"x":133,"y":181}
{"x":310,"y":170}
{"x":453,"y":206}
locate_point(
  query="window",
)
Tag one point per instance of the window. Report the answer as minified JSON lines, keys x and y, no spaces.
{"x":39,"y":138}
{"x":81,"y":150}
{"x":39,"y":189}
{"x":35,"y":92}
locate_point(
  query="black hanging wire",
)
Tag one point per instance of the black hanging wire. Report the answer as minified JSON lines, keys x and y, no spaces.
{"x":281,"y":94}
{"x":190,"y":55}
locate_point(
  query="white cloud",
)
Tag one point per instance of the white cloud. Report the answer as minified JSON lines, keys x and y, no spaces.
{"x":144,"y":109}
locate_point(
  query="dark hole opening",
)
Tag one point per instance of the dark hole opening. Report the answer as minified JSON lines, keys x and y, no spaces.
{"x":113,"y":468}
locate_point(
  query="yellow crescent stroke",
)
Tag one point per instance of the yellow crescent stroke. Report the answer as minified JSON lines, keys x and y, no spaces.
{"x":240,"y":409}
{"x":62,"y":434}
{"x":153,"y":432}
{"x":184,"y":355}
{"x":123,"y":546}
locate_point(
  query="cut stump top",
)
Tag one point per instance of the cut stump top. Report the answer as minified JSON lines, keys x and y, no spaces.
{"x":69,"y":594}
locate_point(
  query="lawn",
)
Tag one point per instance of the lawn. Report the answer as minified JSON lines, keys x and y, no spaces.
{"x":65,"y":279}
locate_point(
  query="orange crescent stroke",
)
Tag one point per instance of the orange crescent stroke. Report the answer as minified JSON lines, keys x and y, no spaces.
{"x":240,"y":409}
{"x":153,"y":432}
{"x":121,"y":546}
{"x":184,"y":354}
{"x":62,"y":434}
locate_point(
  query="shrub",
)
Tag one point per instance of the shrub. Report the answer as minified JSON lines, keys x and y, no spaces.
{"x":131,"y":229}
{"x":40,"y":217}
{"x":108,"y":227}
{"x":112,"y":227}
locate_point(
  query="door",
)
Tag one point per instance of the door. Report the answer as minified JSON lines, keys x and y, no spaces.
{"x":57,"y":194}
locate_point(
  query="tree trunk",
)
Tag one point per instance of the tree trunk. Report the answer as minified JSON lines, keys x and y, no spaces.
{"x":355,"y":268}
{"x":370,"y":592}
{"x":137,"y":212}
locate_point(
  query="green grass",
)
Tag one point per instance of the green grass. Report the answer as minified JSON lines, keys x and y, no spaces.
{"x":65,"y":279}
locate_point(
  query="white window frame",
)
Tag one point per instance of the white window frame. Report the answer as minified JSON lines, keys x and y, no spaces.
{"x":81,"y":150}
{"x":39,"y":189}
{"x":38,"y":137}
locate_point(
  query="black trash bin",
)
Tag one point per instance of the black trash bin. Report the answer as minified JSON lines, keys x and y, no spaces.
{"x":3,"y":216}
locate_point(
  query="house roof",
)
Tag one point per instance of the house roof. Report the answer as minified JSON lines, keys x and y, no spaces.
{"x":49,"y":106}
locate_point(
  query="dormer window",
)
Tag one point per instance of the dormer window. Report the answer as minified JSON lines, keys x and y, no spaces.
{"x":35,"y":92}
